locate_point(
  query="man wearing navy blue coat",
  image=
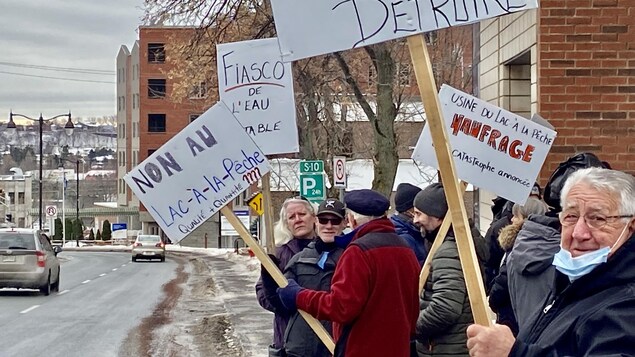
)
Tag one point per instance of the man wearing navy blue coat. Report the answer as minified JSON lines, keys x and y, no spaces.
{"x":373,"y":301}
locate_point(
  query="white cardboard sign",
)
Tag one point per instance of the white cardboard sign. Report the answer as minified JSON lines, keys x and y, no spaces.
{"x":258,"y":88}
{"x":197,"y":172}
{"x":308,"y":28}
{"x":492,"y":148}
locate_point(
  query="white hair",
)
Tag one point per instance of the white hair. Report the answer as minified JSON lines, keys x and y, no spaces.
{"x":360,"y":218}
{"x":281,"y":232}
{"x":613,"y":182}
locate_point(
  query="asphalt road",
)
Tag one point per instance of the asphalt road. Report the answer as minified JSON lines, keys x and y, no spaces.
{"x":103,"y":296}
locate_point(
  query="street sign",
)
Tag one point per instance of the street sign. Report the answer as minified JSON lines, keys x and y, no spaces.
{"x":256,"y":203}
{"x":311,"y":166}
{"x":226,"y":229}
{"x":339,"y":172}
{"x":119,"y":226}
{"x":51,"y":211}
{"x":312,"y":187}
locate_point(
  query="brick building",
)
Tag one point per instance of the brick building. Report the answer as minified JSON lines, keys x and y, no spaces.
{"x":573,"y":62}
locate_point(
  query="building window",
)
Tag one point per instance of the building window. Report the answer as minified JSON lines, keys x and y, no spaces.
{"x":151,"y":151}
{"x":156,"y":52}
{"x":156,"y":123}
{"x":11,"y":198}
{"x":199,"y":91}
{"x":403,"y":74}
{"x":156,"y":88}
{"x":193,"y":117}
{"x":20,"y":198}
{"x":431,"y":38}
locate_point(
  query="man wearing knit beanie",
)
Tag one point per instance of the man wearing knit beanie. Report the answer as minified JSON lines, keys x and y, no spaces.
{"x":402,"y":219}
{"x":445,"y":296}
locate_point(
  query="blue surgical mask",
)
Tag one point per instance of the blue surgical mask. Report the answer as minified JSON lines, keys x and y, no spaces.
{"x":580,"y":266}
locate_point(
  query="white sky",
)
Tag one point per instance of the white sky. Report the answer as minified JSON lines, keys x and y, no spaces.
{"x":77,"y":34}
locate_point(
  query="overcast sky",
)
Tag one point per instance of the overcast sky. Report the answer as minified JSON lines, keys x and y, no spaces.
{"x":74,"y":34}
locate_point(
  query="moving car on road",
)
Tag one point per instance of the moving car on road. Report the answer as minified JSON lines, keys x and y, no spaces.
{"x":148,"y":246}
{"x":28,"y":260}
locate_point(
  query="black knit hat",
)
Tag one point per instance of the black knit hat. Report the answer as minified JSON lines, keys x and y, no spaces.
{"x":431,"y":201}
{"x":405,"y":196}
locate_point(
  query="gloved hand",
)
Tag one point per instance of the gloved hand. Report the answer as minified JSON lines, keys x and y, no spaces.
{"x":288,"y":295}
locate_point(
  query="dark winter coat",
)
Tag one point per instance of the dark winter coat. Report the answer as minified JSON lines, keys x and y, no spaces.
{"x":492,"y":265}
{"x":267,"y":295}
{"x":373,"y":298}
{"x":530,"y":272}
{"x":499,"y":298}
{"x":445,"y":307}
{"x":313,"y":269}
{"x":411,"y":233}
{"x":593,"y":316}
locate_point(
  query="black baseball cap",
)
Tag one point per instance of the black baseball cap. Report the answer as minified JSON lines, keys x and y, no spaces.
{"x":332,"y":206}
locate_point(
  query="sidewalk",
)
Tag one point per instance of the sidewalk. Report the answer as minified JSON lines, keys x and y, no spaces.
{"x":235,"y":277}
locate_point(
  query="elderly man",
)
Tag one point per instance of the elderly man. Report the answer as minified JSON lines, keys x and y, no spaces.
{"x":591,"y":310}
{"x":373,"y":298}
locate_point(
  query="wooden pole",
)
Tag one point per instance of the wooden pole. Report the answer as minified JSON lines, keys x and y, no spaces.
{"x":277,"y":275}
{"x":268,"y":215}
{"x":460,"y":225}
{"x":443,"y":230}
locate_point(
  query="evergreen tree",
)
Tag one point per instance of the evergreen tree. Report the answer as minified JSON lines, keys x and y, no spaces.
{"x":91,"y":235}
{"x":98,"y":237}
{"x":69,"y":229}
{"x":106,"y":232}
{"x":58,"y":229}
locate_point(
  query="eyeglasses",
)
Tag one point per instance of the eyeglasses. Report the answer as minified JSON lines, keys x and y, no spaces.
{"x":593,"y":220}
{"x":334,"y":221}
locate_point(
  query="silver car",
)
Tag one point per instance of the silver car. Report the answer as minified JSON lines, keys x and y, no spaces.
{"x":148,"y":246}
{"x":28,"y":260}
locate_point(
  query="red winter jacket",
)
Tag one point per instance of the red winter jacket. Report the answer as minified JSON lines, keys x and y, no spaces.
{"x":374,"y":300}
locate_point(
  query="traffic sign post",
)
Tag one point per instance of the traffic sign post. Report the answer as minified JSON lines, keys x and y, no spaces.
{"x":256,"y":203}
{"x":51,"y":211}
{"x":312,"y":187}
{"x":339,"y":171}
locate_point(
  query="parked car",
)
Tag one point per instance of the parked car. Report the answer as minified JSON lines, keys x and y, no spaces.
{"x":148,"y":246}
{"x":28,"y":260}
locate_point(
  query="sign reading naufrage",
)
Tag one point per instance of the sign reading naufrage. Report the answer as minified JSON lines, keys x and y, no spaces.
{"x":308,"y":28}
{"x":258,"y":88}
{"x":197,"y":172}
{"x":492,"y":148}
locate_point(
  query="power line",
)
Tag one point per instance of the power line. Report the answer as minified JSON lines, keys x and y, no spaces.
{"x":61,"y":69}
{"x":58,"y":78}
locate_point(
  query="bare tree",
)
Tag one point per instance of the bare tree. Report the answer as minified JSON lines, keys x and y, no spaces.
{"x":330,"y":87}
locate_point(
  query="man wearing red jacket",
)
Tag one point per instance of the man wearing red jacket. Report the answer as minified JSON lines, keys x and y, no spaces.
{"x":373,"y":301}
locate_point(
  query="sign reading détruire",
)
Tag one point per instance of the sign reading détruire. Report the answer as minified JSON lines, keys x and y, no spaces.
{"x":309,"y":28}
{"x":492,"y":148}
{"x":197,"y":172}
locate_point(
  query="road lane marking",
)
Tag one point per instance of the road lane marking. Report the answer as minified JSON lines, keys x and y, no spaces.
{"x":114,"y":269}
{"x":29,"y":309}
{"x":103,"y":274}
{"x":86,"y":281}
{"x":63,"y":292}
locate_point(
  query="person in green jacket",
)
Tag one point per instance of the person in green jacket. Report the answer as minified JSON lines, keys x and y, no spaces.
{"x":445,"y":311}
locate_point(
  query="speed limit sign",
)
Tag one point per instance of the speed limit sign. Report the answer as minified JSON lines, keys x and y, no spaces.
{"x":339,"y":171}
{"x":51,"y":211}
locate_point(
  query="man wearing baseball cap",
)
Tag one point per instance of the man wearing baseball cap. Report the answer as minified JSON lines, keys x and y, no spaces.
{"x":373,"y":299}
{"x":313,"y":269}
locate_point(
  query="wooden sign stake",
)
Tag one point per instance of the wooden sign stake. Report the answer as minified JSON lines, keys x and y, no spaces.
{"x":268,"y":215}
{"x":456,"y":207}
{"x":275,"y":273}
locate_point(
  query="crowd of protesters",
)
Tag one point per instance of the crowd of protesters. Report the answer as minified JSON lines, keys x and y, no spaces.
{"x":558,"y":271}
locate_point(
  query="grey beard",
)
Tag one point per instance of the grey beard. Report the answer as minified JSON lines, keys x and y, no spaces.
{"x":423,"y":231}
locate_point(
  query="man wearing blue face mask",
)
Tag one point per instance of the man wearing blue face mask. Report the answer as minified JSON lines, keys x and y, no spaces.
{"x":591,"y":308}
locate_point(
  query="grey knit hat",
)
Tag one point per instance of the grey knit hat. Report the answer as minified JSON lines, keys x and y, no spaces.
{"x":431,"y":201}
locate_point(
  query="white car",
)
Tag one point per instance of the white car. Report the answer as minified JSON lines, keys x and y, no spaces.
{"x":28,"y":260}
{"x":148,"y":246}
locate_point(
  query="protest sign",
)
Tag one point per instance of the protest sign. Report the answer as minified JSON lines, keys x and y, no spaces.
{"x":197,"y":172}
{"x":492,"y":148}
{"x":258,"y":88}
{"x":308,"y":28}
